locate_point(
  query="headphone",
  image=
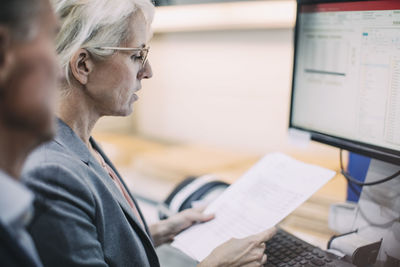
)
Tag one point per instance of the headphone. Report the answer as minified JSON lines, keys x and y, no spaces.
{"x":192,"y":189}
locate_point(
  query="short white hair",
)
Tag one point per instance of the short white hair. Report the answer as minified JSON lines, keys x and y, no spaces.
{"x":95,"y":23}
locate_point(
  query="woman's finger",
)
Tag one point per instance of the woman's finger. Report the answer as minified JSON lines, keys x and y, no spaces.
{"x":262,"y":246}
{"x":264,"y":259}
{"x":197,"y":215}
{"x":265,"y":235}
{"x":256,"y":254}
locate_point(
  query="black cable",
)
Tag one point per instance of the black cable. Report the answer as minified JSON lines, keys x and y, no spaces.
{"x":337,"y":236}
{"x":355,"y":181}
{"x":354,"y":189}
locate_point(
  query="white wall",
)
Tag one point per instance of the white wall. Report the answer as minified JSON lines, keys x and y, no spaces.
{"x":224,"y":88}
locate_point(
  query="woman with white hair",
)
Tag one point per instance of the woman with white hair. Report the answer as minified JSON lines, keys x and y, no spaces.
{"x":90,"y":218}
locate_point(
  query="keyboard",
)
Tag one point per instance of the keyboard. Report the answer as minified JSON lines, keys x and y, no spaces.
{"x":286,"y":250}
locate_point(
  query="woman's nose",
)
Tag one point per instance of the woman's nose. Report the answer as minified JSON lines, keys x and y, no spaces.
{"x":146,"y":72}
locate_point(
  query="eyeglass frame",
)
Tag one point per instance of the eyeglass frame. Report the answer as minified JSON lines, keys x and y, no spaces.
{"x":146,"y":49}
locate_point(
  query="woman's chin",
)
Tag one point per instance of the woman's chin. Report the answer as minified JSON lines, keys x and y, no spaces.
{"x":123,"y":112}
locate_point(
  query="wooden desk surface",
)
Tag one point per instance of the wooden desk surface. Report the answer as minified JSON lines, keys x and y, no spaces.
{"x":159,"y":166}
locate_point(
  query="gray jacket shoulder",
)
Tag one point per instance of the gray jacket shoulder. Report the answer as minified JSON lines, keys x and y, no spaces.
{"x":49,"y":168}
{"x":48,"y":172}
{"x":83,"y":216}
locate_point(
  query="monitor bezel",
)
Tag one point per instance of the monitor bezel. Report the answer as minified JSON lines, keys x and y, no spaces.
{"x":380,"y":153}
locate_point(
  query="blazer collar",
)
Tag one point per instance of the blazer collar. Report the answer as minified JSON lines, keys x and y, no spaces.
{"x":141,"y":229}
{"x":95,"y":166}
{"x":68,"y":138}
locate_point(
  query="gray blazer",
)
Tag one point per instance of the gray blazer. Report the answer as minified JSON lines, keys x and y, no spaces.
{"x":85,"y":220}
{"x":12,"y":254}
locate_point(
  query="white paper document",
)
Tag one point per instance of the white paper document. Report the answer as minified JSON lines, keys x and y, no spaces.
{"x":260,"y":199}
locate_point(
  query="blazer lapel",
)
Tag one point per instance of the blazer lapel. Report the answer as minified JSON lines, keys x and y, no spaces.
{"x":68,"y":139}
{"x":112,"y":187}
{"x":107,"y":160}
{"x":144,"y":233}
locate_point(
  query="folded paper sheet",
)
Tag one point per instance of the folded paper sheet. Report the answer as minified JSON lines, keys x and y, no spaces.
{"x":260,"y":199}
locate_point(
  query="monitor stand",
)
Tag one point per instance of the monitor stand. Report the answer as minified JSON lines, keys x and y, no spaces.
{"x":377,"y":214}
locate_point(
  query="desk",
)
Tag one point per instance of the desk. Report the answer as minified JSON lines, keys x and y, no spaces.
{"x":154,"y":168}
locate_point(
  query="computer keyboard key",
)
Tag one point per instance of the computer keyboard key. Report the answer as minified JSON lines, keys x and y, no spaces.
{"x":315,"y":252}
{"x":298,"y":258}
{"x":309,"y":257}
{"x":318,"y":262}
{"x":286,"y":250}
{"x":285,"y":260}
{"x":303,"y":262}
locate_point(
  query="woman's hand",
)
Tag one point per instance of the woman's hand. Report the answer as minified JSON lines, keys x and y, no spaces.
{"x":247,"y":252}
{"x":166,"y":230}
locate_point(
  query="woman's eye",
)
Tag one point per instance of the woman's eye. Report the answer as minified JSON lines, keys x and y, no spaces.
{"x":136,"y":57}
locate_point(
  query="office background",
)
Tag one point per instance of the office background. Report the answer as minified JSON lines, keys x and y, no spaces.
{"x":224,"y":84}
{"x":219,"y":100}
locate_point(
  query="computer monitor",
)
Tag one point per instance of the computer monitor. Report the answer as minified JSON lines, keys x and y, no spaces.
{"x":346,"y":77}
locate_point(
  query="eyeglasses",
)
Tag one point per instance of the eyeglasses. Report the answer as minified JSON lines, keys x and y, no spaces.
{"x":143,"y":51}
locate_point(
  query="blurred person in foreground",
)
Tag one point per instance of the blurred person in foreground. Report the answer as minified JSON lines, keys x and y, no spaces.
{"x":93,"y":219}
{"x":28,"y":76}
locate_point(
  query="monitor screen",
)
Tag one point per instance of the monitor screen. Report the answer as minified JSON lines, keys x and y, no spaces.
{"x":346,"y":79}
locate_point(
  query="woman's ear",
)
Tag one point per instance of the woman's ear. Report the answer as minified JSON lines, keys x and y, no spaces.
{"x":81,"y":66}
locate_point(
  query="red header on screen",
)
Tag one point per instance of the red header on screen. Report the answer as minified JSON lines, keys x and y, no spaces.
{"x":352,"y":6}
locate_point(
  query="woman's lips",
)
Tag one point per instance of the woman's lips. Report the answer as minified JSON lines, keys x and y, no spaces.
{"x":134,"y":95}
